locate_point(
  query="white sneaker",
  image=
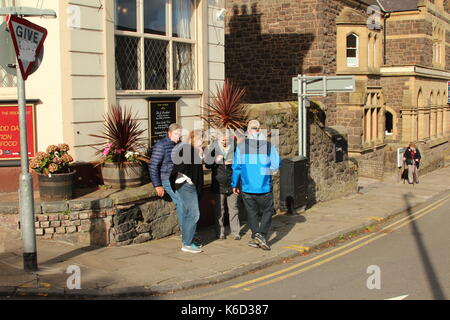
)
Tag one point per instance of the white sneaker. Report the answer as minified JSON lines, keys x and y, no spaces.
{"x":191,"y":249}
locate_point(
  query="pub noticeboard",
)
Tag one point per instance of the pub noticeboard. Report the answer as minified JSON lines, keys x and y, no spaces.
{"x":10,"y":132}
{"x":162,"y":115}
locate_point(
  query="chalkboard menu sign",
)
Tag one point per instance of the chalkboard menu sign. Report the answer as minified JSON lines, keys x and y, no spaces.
{"x":162,"y":115}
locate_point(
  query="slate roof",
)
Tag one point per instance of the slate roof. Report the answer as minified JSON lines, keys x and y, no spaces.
{"x":398,"y":5}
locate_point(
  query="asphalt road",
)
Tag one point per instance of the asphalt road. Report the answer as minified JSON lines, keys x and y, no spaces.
{"x":406,"y":258}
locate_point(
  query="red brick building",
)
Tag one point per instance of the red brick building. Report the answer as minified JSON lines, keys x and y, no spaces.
{"x":398,"y":51}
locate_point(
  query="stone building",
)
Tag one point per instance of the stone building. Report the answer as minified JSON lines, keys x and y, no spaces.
{"x":397,"y":51}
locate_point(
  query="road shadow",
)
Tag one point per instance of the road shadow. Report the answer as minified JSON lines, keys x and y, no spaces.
{"x":433,"y":279}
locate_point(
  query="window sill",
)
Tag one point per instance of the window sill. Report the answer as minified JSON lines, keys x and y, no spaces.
{"x":143,"y":94}
{"x":358,"y":71}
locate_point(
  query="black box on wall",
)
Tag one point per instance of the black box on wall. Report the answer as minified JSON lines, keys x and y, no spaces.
{"x":293,"y":184}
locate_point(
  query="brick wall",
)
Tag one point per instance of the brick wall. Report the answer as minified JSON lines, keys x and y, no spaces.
{"x":415,"y":51}
{"x":268,"y":42}
{"x":409,"y":27}
{"x":372,"y":164}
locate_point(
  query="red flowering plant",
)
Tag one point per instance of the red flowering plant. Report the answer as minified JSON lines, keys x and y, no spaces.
{"x":123,"y":137}
{"x":54,"y":161}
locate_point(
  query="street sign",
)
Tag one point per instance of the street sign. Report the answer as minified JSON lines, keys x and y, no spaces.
{"x":8,"y":53}
{"x":400,"y":152}
{"x":448,"y":92}
{"x":322,"y":85}
{"x":28,"y":39}
{"x":307,"y":86}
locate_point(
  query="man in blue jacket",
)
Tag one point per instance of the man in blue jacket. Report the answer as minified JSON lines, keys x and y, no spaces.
{"x":254,"y":163}
{"x":161,"y":166}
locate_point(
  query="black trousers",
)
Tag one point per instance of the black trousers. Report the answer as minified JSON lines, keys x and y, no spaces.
{"x":260,"y":210}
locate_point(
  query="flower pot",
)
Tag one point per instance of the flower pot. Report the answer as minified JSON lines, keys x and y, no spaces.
{"x":56,"y":187}
{"x":129,"y":176}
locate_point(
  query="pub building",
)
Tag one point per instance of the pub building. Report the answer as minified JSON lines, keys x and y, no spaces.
{"x":162,"y":58}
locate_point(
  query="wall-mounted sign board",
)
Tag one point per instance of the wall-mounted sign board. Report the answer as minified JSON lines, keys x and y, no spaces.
{"x":10,"y":132}
{"x":162,"y":115}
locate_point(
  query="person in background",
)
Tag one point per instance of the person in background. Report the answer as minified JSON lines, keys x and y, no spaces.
{"x":255,"y":161}
{"x":219,"y":158}
{"x":412,"y":158}
{"x":186,"y":180}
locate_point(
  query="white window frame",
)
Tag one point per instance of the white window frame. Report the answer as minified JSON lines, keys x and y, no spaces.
{"x":355,"y":63}
{"x":194,"y":41}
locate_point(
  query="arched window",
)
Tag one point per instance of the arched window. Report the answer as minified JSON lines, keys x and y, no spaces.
{"x":352,"y":50}
{"x":389,"y":123}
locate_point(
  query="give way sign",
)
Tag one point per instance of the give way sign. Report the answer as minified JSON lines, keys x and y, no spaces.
{"x":28,"y":39}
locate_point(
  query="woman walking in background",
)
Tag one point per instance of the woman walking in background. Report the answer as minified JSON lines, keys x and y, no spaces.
{"x":412,"y":157}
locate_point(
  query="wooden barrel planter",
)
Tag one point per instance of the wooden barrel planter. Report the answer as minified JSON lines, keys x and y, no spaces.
{"x":56,"y":186}
{"x":129,"y":176}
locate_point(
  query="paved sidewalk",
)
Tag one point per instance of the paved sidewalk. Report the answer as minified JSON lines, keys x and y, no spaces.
{"x":159,"y":267}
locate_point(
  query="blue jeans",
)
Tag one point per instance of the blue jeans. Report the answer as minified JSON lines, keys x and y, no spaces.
{"x":191,"y":212}
{"x":176,"y":199}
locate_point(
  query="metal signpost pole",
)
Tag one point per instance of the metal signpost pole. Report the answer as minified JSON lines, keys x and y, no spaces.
{"x":300,"y":115}
{"x":305,"y":118}
{"x":27,"y":217}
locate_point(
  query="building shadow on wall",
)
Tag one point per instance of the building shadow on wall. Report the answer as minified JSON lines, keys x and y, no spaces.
{"x":263,"y":64}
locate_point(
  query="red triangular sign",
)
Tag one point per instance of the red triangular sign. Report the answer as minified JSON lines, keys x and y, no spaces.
{"x":28,"y":39}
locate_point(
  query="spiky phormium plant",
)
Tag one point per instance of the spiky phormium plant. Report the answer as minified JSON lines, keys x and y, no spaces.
{"x":226,"y":111}
{"x":123,"y":137}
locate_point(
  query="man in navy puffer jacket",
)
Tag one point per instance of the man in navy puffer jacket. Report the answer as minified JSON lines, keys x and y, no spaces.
{"x":161,"y":166}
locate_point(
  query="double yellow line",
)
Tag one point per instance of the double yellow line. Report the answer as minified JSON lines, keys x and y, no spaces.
{"x":283,"y":274}
{"x":340,"y":251}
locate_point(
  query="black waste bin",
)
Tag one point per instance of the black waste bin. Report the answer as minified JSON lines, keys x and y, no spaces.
{"x":293,"y":184}
{"x":340,"y":149}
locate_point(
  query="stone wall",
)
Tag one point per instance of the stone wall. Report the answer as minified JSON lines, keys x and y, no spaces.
{"x":327,"y":180}
{"x":372,"y":164}
{"x":412,"y":51}
{"x":127,"y":217}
